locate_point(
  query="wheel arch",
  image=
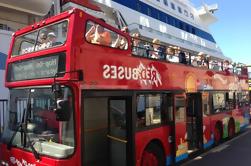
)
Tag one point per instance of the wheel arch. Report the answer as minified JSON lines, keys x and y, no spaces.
{"x":231,"y":121}
{"x":219,"y":125}
{"x":155,"y":142}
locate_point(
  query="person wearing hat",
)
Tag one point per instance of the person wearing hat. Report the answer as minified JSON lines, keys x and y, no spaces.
{"x":226,"y":66}
{"x":170,"y":55}
{"x":121,"y":41}
{"x":138,"y":48}
{"x":157,"y":51}
{"x":52,"y":38}
{"x":98,"y":35}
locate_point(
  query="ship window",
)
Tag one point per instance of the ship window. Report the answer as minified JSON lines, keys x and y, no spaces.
{"x":148,"y":11}
{"x":187,"y":28}
{"x":165,"y":2}
{"x":158,"y":16}
{"x":173,"y":6}
{"x":181,"y":25}
{"x":172,"y":21}
{"x":167,"y":19}
{"x":193,"y":30}
{"x":191,"y":15}
{"x":186,"y":13}
{"x":138,"y":7}
{"x":179,"y":9}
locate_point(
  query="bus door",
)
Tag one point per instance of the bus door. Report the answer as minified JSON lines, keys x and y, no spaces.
{"x":194,"y":122}
{"x":171,"y":123}
{"x":117,"y":130}
{"x":180,"y":127}
{"x":107,"y":132}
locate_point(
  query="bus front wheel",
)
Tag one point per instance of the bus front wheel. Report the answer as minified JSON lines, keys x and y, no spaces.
{"x":153,"y":156}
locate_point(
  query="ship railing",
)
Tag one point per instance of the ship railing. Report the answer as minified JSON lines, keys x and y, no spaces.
{"x":136,"y":26}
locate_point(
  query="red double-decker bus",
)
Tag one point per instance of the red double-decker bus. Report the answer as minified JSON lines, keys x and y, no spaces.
{"x":79,"y":101}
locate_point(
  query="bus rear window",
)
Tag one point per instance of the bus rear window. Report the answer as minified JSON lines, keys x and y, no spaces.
{"x":44,"y":38}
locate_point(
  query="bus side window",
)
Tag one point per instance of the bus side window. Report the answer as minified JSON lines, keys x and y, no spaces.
{"x":97,"y":34}
{"x":205,"y":104}
{"x":219,"y":102}
{"x":230,"y":100}
{"x":149,"y":108}
{"x":180,"y":109}
{"x":167,"y":114}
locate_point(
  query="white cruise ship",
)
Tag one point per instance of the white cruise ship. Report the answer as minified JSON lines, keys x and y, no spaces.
{"x":175,"y":22}
{"x":5,"y":37}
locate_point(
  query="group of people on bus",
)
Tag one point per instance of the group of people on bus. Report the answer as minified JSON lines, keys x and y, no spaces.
{"x":97,"y":34}
{"x":47,"y":40}
{"x":155,"y":50}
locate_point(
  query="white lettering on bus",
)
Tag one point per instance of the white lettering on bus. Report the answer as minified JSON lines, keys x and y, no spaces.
{"x":17,"y":162}
{"x":147,"y":75}
{"x":37,"y":48}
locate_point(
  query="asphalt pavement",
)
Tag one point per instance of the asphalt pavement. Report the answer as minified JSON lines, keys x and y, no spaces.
{"x":235,"y":152}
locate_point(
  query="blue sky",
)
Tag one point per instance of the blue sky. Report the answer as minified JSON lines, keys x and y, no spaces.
{"x":232,"y":31}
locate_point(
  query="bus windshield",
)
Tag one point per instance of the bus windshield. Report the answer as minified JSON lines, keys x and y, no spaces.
{"x":48,"y":136}
{"x":44,"y":38}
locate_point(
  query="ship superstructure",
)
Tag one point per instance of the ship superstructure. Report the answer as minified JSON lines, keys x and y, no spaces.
{"x":176,"y":22}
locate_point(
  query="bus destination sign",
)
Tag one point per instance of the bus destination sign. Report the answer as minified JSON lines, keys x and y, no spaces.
{"x":37,"y":68}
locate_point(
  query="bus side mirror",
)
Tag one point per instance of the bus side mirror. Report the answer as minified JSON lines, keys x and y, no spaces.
{"x":62,"y":106}
{"x":62,"y":110}
{"x":56,"y":89}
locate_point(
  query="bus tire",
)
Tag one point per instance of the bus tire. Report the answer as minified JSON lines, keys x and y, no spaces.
{"x":231,"y":128}
{"x":217,"y":134}
{"x":153,"y":155}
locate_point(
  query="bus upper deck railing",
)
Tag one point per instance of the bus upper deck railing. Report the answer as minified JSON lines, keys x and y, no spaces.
{"x":146,"y":49}
{"x":155,"y":50}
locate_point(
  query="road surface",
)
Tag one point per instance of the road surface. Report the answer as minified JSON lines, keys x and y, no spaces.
{"x":235,"y":152}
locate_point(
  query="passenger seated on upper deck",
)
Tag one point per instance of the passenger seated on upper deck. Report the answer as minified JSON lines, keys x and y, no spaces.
{"x":182,"y":57}
{"x":214,"y":65}
{"x":170,"y":55}
{"x":231,"y":67}
{"x":138,"y":48}
{"x":204,"y":61}
{"x":157,"y":51}
{"x":121,"y":41}
{"x":194,"y":61}
{"x":98,"y":35}
{"x":42,"y":42}
{"x":226,"y":66}
{"x":52,"y":38}
{"x":189,"y":58}
{"x":43,"y":38}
